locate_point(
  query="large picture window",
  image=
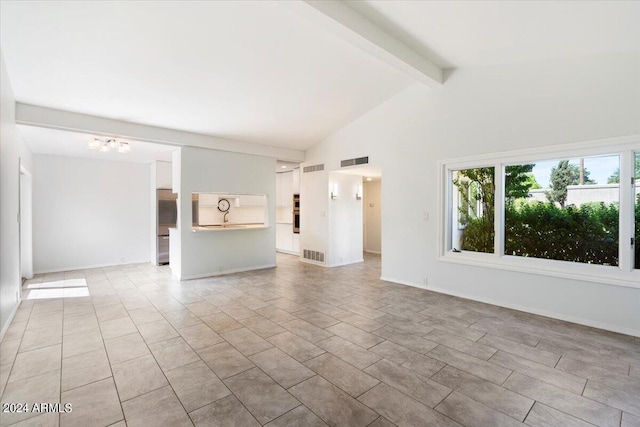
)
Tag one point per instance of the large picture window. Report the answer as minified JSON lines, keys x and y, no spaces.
{"x":564,"y":210}
{"x":573,"y":211}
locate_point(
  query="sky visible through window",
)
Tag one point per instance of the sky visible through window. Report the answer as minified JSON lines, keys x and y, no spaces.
{"x":600,"y":169}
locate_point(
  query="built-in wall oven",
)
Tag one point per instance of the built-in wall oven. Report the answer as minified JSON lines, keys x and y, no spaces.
{"x":296,"y":213}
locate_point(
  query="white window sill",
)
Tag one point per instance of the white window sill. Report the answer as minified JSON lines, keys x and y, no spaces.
{"x":563,"y":269}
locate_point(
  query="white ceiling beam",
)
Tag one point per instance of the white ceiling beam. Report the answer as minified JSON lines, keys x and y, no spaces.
{"x":32,"y":115}
{"x":345,"y":22}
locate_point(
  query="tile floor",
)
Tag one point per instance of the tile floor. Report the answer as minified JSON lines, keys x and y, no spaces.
{"x":301,"y":345}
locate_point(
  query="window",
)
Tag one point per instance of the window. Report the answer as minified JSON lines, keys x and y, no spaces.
{"x":475,"y":199}
{"x":564,"y":209}
{"x":568,"y":211}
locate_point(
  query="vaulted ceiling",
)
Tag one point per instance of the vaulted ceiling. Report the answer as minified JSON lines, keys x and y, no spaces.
{"x":286,"y":74}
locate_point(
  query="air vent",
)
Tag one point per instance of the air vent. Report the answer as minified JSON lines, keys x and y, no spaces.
{"x":353,"y":162}
{"x":313,"y":255}
{"x":313,"y":168}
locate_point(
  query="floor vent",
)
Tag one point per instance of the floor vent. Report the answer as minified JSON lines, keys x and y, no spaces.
{"x":313,"y":168}
{"x":353,"y":162}
{"x":313,"y":255}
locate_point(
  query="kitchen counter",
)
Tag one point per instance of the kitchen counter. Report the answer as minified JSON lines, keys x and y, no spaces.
{"x":227,"y":227}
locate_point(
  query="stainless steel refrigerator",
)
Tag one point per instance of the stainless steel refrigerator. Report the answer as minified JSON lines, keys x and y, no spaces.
{"x":167,"y":216}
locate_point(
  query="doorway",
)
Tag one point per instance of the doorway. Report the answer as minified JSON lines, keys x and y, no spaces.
{"x":25,"y":226}
{"x":372,"y":215}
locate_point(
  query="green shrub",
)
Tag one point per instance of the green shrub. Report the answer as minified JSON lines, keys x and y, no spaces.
{"x":587,"y":234}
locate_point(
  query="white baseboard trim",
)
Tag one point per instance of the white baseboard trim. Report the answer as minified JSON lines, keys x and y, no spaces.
{"x":540,"y":312}
{"x":308,"y":261}
{"x":11,"y":316}
{"x":220,"y":273}
{"x":288,"y":252}
{"x":346,"y":263}
{"x":86,"y":267}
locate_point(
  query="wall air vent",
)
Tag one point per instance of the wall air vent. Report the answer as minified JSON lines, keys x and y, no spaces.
{"x":313,"y":168}
{"x":353,"y":162}
{"x":313,"y":255}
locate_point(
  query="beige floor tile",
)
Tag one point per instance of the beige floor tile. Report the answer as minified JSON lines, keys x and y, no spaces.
{"x":300,"y":416}
{"x":41,"y":388}
{"x":625,"y":401}
{"x":81,"y":323}
{"x":246,"y":342}
{"x":196,"y":385}
{"x":333,"y":405}
{"x":284,"y":369}
{"x":629,"y":420}
{"x":8,"y":351}
{"x":295,"y":346}
{"x":410,"y":341}
{"x":202,"y":308}
{"x":125,"y":348}
{"x":200,"y":336}
{"x":173,"y":353}
{"x":565,"y":401}
{"x":420,"y":364}
{"x":224,"y":360}
{"x":117,"y":327}
{"x":159,"y":408}
{"x":36,"y":362}
{"x":360,"y":322}
{"x":316,"y":318}
{"x":350,"y":353}
{"x":84,"y":369}
{"x":543,"y":416}
{"x":340,"y":373}
{"x":224,"y":412}
{"x":262,"y":326}
{"x":478,"y":367}
{"x":182,"y":318}
{"x":109,"y":312}
{"x":402,"y":379}
{"x":468,"y":412}
{"x":401,"y":409}
{"x":483,"y":391}
{"x":262,"y":396}
{"x":138,"y":376}
{"x":94,"y":404}
{"x":306,"y":330}
{"x":43,"y":337}
{"x":157,"y":331}
{"x":145,"y":315}
{"x":544,"y":357}
{"x":82,"y":342}
{"x":221,"y":322}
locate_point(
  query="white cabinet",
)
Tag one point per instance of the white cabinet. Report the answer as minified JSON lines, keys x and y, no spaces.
{"x":284,"y":189}
{"x":284,"y":238}
{"x":296,"y":181}
{"x":250,"y":200}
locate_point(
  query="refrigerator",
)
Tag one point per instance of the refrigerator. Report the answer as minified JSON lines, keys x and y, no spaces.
{"x":167,"y":216}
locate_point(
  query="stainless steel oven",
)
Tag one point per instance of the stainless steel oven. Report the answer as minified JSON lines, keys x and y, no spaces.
{"x":296,"y":213}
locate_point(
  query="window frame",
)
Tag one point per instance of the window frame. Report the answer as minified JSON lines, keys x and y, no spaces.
{"x":623,"y":275}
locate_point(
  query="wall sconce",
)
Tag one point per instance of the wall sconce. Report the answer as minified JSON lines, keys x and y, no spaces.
{"x":334,"y":192}
{"x":359,"y":192}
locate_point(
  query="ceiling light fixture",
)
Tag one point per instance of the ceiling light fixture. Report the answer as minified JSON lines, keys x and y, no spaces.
{"x":369,"y":178}
{"x":283,"y":166}
{"x":106,"y":145}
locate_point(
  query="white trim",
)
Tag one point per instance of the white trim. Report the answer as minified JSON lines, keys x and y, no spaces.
{"x":539,"y":312}
{"x":220,"y":273}
{"x":284,"y":251}
{"x":87,"y":267}
{"x":318,"y":263}
{"x":5,"y":328}
{"x":624,"y":275}
{"x":345,"y":263}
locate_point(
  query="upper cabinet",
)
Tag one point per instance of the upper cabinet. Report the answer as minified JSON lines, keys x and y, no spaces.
{"x":284,"y":189}
{"x":208,"y":200}
{"x":296,"y":181}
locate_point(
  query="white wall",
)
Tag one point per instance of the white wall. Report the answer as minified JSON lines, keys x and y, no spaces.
{"x":487,"y":110}
{"x":373,"y":216}
{"x":89,"y":213}
{"x":345,"y":220}
{"x":13,"y":151}
{"x":217,"y":252}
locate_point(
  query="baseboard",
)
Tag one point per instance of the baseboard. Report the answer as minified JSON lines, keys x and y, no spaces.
{"x":319,"y":264}
{"x":540,"y":312}
{"x":373,"y":252}
{"x":10,"y":318}
{"x":87,"y":267}
{"x":288,"y":252}
{"x":346,"y":263}
{"x":220,"y":273}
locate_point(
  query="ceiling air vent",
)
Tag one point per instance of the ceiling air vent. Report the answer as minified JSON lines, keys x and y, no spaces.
{"x":313,"y":255}
{"x":313,"y":168}
{"x":353,"y":162}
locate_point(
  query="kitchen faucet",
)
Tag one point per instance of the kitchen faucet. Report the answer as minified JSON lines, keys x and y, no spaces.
{"x":225,"y":219}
